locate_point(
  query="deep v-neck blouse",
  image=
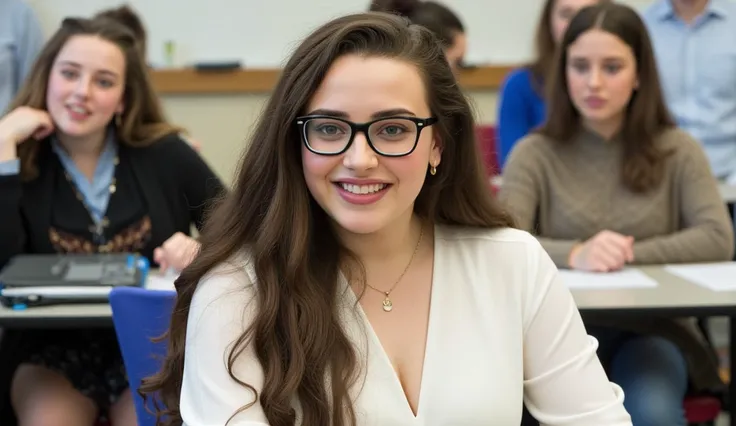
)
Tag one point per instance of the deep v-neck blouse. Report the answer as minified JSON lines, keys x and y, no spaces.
{"x":503,"y":330}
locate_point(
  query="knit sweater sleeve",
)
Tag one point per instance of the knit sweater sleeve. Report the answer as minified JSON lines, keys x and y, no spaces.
{"x":523,"y":189}
{"x":706,"y":233}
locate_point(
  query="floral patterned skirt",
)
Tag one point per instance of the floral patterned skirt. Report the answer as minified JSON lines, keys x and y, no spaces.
{"x":89,"y":358}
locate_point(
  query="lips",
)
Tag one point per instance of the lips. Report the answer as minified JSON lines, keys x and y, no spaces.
{"x":595,"y":102}
{"x":362,"y":193}
{"x":78,"y":112}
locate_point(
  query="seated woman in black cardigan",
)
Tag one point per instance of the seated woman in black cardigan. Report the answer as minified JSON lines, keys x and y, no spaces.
{"x":89,"y":164}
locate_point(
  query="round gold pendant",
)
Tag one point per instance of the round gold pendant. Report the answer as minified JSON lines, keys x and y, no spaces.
{"x":387,"y":305}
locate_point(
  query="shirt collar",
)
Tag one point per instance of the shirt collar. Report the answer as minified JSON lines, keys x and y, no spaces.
{"x":716,"y":8}
{"x":108,"y":152}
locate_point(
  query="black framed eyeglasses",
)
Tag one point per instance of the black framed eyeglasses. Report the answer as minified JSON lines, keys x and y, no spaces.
{"x":390,"y":136}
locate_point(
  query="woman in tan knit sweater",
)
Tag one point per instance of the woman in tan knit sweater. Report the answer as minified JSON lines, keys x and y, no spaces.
{"x":608,"y":181}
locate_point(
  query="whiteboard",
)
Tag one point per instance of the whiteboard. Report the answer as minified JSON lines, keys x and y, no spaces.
{"x":261,"y":34}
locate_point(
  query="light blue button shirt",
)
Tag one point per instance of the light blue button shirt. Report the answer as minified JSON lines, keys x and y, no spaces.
{"x":21,"y":39}
{"x":697,"y":66}
{"x":96,"y":193}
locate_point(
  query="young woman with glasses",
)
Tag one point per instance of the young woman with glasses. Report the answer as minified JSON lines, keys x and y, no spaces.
{"x":360,"y":272}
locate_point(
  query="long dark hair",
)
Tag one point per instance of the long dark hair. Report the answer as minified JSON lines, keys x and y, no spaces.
{"x":143,"y":120}
{"x":436,"y":17}
{"x":297,"y":256}
{"x":646,"y":115}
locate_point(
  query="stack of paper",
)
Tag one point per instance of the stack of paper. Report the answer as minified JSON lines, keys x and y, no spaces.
{"x":713,"y":276}
{"x":157,"y":280}
{"x":625,"y":278}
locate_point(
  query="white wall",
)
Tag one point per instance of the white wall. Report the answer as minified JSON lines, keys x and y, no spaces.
{"x":262,"y":33}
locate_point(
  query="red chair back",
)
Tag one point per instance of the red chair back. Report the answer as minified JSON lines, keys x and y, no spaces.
{"x":485,"y":136}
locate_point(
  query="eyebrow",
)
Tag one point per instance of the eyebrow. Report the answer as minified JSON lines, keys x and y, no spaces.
{"x":76,"y":65}
{"x":376,"y":115}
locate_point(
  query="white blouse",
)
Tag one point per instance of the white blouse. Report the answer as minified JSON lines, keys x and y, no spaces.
{"x":503,"y":330}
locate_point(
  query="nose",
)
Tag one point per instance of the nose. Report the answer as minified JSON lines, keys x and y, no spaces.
{"x":83,"y":87}
{"x":594,"y":78}
{"x":360,"y":156}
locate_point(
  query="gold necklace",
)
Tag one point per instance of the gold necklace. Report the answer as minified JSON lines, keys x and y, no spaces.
{"x":388,"y":305}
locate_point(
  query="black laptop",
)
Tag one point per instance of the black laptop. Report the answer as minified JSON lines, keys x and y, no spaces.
{"x":44,"y":279}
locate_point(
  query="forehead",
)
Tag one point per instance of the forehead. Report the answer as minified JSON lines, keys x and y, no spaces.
{"x":92,"y":53}
{"x":597,"y":43}
{"x":361,"y":86}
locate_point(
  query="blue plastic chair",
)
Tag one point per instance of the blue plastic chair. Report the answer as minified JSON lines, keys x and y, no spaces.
{"x":139,"y":316}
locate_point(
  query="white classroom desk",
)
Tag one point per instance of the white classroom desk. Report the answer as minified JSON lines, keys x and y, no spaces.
{"x":728,"y":191}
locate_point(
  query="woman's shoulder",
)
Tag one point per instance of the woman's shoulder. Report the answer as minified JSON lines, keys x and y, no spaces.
{"x":498,"y":263}
{"x":232,"y":278}
{"x":533,"y":148}
{"x":170,"y":153}
{"x":677,"y":140}
{"x":518,"y":79}
{"x":682,"y":149}
{"x":490,"y":245}
{"x":169,"y":144}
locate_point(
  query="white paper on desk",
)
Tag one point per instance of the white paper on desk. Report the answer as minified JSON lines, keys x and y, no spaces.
{"x":719,"y":276}
{"x":161,"y":281}
{"x":625,"y":278}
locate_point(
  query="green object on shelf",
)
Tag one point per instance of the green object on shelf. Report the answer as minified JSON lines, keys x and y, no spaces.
{"x":169,"y":53}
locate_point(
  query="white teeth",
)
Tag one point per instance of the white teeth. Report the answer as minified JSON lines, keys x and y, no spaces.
{"x":363,"y":189}
{"x":78,"y":109}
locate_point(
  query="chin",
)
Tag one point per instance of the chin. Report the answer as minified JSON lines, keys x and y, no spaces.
{"x":74,"y":130}
{"x":359,"y":223}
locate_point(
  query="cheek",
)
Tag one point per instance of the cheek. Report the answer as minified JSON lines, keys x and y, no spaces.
{"x":107,"y":101}
{"x":622,"y":88}
{"x":58,"y":91}
{"x":317,"y":168}
{"x":576,"y":85}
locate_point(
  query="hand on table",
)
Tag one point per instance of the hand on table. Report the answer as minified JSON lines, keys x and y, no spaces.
{"x":606,"y":251}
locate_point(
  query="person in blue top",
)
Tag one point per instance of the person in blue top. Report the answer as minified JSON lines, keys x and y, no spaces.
{"x":522,"y":106}
{"x":21,"y":39}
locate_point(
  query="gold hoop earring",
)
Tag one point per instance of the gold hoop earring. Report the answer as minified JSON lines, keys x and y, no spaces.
{"x":118,"y":119}
{"x":433,"y":170}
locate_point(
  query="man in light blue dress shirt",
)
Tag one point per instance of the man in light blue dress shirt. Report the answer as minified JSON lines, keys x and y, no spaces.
{"x":21,"y":39}
{"x":695,"y":46}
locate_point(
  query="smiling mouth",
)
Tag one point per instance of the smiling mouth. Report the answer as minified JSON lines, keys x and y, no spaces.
{"x":363,"y":189}
{"x":75,"y":109}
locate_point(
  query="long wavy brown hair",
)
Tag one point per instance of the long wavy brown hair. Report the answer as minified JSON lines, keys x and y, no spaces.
{"x":296,"y":254}
{"x":142,"y":121}
{"x":646,"y":115}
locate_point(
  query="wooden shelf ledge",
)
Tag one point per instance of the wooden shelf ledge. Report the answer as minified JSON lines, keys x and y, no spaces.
{"x":187,"y":81}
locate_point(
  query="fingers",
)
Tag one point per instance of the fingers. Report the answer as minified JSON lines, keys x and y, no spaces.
{"x":159,"y":256}
{"x":177,"y":252}
{"x":43,"y":131}
{"x":616,"y":250}
{"x":607,"y":251}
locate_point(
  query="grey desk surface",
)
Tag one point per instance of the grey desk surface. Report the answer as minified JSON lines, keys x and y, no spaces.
{"x":69,"y":312}
{"x":672,"y":293}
